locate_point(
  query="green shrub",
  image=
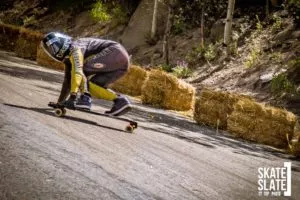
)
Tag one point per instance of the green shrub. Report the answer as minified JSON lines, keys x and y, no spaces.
{"x":29,"y":21}
{"x":190,"y":11}
{"x":99,"y":12}
{"x":195,"y":55}
{"x":280,"y":84}
{"x":119,"y":15}
{"x":202,"y":53}
{"x":210,"y":52}
{"x":277,"y":25}
{"x":276,"y":56}
{"x":252,"y":58}
{"x":294,"y":63}
{"x":166,"y":67}
{"x":259,"y":25}
{"x":178,"y":25}
{"x":182,"y":70}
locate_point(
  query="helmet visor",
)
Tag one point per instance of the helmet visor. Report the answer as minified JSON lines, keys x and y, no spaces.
{"x":50,"y":50}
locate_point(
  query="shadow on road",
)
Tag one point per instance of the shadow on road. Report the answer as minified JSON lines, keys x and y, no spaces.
{"x":207,"y":137}
{"x":30,"y":73}
{"x":48,"y":111}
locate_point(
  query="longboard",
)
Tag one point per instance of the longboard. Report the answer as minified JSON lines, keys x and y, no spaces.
{"x":60,"y":111}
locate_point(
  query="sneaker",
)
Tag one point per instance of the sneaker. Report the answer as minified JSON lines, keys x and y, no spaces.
{"x":71,"y":102}
{"x":121,"y":106}
{"x":84,"y":102}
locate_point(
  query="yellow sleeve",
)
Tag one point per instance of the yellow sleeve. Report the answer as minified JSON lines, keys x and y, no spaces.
{"x":76,"y":58}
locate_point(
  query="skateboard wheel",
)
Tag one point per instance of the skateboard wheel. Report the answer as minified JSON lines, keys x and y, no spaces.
{"x":64,"y":111}
{"x":134,"y":125}
{"x":129,"y":128}
{"x":58,"y":112}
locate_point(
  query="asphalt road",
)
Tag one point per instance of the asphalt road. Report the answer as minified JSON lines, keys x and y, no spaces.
{"x":83,"y":156}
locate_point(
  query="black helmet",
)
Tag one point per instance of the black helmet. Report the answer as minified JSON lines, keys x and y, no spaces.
{"x":56,"y":45}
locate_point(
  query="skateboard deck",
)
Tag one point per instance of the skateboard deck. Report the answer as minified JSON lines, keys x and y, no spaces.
{"x":60,"y":111}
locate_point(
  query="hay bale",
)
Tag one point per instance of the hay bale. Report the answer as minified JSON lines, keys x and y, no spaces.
{"x":179,"y":96}
{"x":281,"y":116}
{"x":256,"y":122}
{"x":212,"y":107}
{"x":8,"y":36}
{"x":294,"y":144}
{"x":241,"y":125}
{"x":27,"y":43}
{"x":132,"y":82}
{"x":249,"y":106}
{"x":45,"y":60}
{"x":166,"y":91}
{"x":22,"y":41}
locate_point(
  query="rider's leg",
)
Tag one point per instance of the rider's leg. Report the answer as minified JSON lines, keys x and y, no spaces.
{"x":105,"y":68}
{"x":98,"y":88}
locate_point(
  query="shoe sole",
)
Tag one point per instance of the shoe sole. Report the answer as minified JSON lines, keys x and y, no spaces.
{"x":121,"y":111}
{"x":83,"y":107}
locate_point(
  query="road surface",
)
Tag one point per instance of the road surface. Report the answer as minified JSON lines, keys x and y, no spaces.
{"x":84,"y":156}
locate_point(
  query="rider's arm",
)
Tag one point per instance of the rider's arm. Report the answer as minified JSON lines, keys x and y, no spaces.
{"x":65,"y":90}
{"x":77,"y":75}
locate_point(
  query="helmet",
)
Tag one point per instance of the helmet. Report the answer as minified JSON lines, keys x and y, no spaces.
{"x":56,"y":45}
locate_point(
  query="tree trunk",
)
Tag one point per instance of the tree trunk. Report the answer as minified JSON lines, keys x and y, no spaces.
{"x":228,"y":25}
{"x":202,"y":28}
{"x":267,"y":8}
{"x":166,"y":35}
{"x":154,"y":20}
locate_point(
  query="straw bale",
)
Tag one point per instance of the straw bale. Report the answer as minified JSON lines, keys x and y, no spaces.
{"x":249,"y":106}
{"x":44,"y":60}
{"x":166,"y":91}
{"x":241,"y":125}
{"x":27,"y":43}
{"x":211,"y":112}
{"x":20,"y":40}
{"x":8,"y":36}
{"x":213,"y":107}
{"x":295,"y":141}
{"x":211,"y":94}
{"x":256,"y":122}
{"x":268,"y":131}
{"x":180,"y":97}
{"x":132,"y":82}
{"x":281,"y":115}
{"x":296,"y":149}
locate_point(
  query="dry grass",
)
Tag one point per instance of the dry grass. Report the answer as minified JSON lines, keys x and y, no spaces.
{"x":166,"y":91}
{"x":132,"y":82}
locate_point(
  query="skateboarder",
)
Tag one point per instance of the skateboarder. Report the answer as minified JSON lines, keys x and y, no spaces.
{"x":91,"y":64}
